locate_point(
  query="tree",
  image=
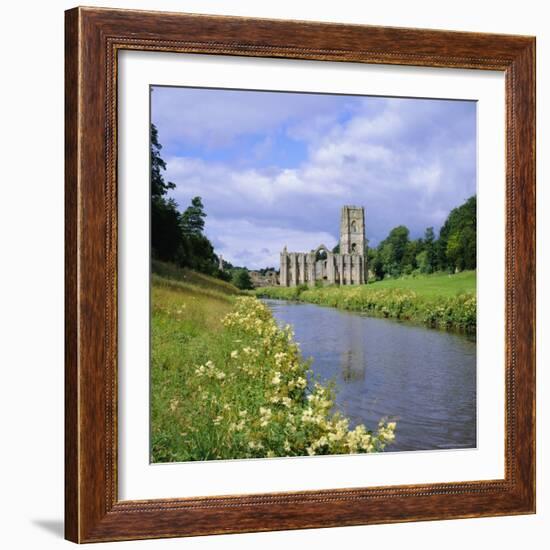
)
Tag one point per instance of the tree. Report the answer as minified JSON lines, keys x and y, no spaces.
{"x":391,"y":251}
{"x":177,"y":237}
{"x":430,"y":263}
{"x":398,"y":238}
{"x":241,"y":279}
{"x":166,"y":238}
{"x":408,"y":262}
{"x":422,"y":262}
{"x":159,"y":187}
{"x":457,"y":238}
{"x":192,"y":219}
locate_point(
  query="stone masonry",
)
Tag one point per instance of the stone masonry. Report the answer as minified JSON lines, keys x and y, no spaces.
{"x":347,"y":267}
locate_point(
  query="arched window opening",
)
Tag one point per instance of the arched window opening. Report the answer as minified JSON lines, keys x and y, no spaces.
{"x":321,"y":255}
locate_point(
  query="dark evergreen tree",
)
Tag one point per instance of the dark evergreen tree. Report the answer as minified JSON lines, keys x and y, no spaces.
{"x":192,"y":219}
{"x":166,"y":238}
{"x":159,"y":187}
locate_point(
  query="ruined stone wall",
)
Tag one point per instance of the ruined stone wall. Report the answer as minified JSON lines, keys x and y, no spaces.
{"x":298,"y":268}
{"x":348,"y":267}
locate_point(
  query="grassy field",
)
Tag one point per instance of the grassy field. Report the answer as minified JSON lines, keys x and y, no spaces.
{"x":227,"y":382}
{"x":436,"y":285}
{"x":440,"y":300}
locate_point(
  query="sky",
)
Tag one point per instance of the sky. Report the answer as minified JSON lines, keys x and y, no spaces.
{"x":275,"y":168}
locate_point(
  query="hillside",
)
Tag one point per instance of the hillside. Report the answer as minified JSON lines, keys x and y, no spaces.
{"x":227,"y":382}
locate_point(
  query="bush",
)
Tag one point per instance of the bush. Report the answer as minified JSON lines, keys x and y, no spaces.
{"x":241,"y":279}
{"x":445,"y":312}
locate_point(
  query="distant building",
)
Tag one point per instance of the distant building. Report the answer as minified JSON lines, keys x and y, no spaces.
{"x":267,"y":278}
{"x":347,"y":267}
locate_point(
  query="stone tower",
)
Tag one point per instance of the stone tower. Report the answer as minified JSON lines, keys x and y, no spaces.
{"x":352,"y":230}
{"x":347,"y":267}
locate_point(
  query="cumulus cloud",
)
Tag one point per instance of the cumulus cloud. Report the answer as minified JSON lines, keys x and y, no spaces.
{"x":408,"y":161}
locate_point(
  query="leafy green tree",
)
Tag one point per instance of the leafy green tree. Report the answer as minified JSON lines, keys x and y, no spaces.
{"x":241,"y":279}
{"x":392,"y":250}
{"x":457,"y":238}
{"x":399,"y":239}
{"x":408,"y":262}
{"x":430,"y":263}
{"x":422,"y":262}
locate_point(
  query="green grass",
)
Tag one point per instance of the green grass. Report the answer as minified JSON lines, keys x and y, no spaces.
{"x":432,"y":286}
{"x":227,"y":382}
{"x":194,"y":280}
{"x":438,"y":301}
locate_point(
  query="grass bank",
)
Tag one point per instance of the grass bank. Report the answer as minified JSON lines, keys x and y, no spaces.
{"x":439,"y":300}
{"x":227,"y":382}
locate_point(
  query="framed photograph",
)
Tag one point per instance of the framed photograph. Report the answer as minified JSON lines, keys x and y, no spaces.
{"x":300,"y":275}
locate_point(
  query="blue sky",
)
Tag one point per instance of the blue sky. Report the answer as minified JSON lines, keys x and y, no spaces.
{"x":274,"y":168}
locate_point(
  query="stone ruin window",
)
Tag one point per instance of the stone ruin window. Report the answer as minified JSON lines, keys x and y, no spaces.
{"x":354,"y":247}
{"x":353,"y":227}
{"x":321,"y":255}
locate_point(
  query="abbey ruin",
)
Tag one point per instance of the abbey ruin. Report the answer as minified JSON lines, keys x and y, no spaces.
{"x":346,"y":267}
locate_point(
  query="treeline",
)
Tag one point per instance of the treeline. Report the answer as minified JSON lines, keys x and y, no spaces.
{"x":178,"y":237}
{"x":454,"y":250}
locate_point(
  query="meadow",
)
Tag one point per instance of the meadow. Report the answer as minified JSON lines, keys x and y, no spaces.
{"x":440,"y":300}
{"x":228,"y":382}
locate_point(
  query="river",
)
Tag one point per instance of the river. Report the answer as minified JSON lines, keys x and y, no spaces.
{"x":424,"y":379}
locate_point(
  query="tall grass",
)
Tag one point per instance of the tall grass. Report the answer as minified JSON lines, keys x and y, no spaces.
{"x":227,"y":382}
{"x":438,"y":301}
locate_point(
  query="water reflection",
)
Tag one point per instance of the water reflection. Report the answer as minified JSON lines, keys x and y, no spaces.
{"x":423,"y":378}
{"x":353,"y":363}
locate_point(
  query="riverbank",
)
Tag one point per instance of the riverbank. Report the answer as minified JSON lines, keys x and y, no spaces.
{"x":439,"y":301}
{"x":227,"y":382}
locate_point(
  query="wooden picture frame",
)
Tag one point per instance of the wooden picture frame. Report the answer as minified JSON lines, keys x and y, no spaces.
{"x":93,"y":511}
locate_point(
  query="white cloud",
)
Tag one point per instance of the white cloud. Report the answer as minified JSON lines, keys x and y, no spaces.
{"x":215,"y":118}
{"x":244,"y":243}
{"x":407,"y":163}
